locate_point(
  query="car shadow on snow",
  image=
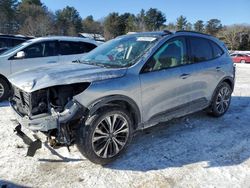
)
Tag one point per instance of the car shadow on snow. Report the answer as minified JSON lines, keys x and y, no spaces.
{"x":223,"y":141}
{"x":8,"y":184}
{"x":4,"y":104}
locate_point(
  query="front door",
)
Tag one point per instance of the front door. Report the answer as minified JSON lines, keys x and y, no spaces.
{"x":163,"y":83}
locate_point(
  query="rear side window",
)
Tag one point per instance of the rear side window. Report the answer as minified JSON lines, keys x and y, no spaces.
{"x":201,"y":50}
{"x":217,"y":51}
{"x":50,"y":49}
{"x":70,"y":48}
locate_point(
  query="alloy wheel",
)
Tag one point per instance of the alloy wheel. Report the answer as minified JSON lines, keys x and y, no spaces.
{"x":1,"y":90}
{"x":110,"y":136}
{"x":223,"y":100}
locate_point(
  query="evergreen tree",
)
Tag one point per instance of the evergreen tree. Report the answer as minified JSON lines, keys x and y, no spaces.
{"x":213,"y":26}
{"x":154,"y":19}
{"x":181,"y":23}
{"x":199,"y":26}
{"x":68,"y":21}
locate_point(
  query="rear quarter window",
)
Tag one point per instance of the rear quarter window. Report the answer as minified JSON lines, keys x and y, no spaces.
{"x":217,"y":51}
{"x":89,"y":47}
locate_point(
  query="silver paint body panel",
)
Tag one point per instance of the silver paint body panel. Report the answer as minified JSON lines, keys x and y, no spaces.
{"x":153,"y":92}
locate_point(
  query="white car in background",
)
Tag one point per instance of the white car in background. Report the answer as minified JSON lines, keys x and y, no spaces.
{"x":39,"y":52}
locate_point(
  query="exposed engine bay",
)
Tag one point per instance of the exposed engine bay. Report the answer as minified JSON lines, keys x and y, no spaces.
{"x":42,"y":101}
{"x":56,"y":103}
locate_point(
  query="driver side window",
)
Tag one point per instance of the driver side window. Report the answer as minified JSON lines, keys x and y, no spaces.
{"x":35,"y":50}
{"x":172,"y":54}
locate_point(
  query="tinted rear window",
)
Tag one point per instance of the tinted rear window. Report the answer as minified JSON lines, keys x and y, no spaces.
{"x":200,"y":50}
{"x":70,"y":48}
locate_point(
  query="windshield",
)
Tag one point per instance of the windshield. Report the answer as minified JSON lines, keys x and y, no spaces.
{"x":12,"y":49}
{"x":119,"y":52}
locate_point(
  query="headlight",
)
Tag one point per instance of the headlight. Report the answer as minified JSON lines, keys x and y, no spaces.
{"x":29,"y":85}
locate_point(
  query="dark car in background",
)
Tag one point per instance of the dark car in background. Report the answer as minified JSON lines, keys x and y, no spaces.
{"x":9,"y":41}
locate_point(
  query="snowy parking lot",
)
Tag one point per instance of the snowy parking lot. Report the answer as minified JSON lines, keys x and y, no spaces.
{"x":193,"y":151}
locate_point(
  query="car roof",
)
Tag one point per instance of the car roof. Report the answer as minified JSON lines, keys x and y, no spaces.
{"x":21,"y":37}
{"x":64,"y":38}
{"x":167,"y":32}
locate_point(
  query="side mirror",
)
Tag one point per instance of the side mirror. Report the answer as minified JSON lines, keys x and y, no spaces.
{"x":20,"y":55}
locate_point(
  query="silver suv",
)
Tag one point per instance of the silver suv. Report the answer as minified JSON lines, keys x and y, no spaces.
{"x":129,"y":83}
{"x":40,"y":51}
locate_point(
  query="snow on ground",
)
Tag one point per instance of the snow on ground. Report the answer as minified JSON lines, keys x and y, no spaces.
{"x":194,"y":151}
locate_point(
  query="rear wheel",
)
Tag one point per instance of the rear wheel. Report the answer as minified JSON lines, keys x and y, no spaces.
{"x":4,"y":90}
{"x":242,"y":61}
{"x":221,"y":100}
{"x":105,"y":135}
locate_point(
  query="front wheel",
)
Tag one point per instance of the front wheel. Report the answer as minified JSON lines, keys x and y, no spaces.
{"x":4,"y":90}
{"x":105,"y":135}
{"x":221,"y":100}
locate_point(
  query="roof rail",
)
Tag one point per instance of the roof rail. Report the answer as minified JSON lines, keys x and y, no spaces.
{"x":193,"y":32}
{"x":167,"y":32}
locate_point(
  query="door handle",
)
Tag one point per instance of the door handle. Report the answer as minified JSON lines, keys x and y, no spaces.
{"x":52,"y":62}
{"x":218,"y":68}
{"x":184,"y":76}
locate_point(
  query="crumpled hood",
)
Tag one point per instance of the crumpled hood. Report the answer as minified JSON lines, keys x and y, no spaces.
{"x":62,"y":74}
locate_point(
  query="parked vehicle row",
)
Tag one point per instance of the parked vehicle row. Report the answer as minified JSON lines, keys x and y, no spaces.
{"x":127,"y":84}
{"x":38,"y":52}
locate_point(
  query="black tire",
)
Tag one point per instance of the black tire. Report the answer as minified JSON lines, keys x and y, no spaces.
{"x":220,"y":104}
{"x":242,"y":61}
{"x":87,"y":134}
{"x":4,"y":90}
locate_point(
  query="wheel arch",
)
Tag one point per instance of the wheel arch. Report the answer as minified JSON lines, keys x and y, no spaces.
{"x":228,"y":80}
{"x":5,"y":79}
{"x":119,"y":101}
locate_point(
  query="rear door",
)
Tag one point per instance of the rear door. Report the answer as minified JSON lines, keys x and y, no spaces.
{"x":38,"y":54}
{"x":70,"y":50}
{"x":206,"y":67}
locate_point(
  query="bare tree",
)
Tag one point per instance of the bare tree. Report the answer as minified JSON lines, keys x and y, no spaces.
{"x":232,"y":35}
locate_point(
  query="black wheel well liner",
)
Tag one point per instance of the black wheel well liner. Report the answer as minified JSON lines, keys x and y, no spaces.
{"x":120,"y":101}
{"x":5,"y":79}
{"x":229,"y":81}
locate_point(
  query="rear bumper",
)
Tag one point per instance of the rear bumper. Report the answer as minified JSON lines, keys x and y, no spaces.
{"x":46,"y":122}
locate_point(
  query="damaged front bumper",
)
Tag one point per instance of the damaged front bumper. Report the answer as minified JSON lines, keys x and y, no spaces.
{"x":46,"y":122}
